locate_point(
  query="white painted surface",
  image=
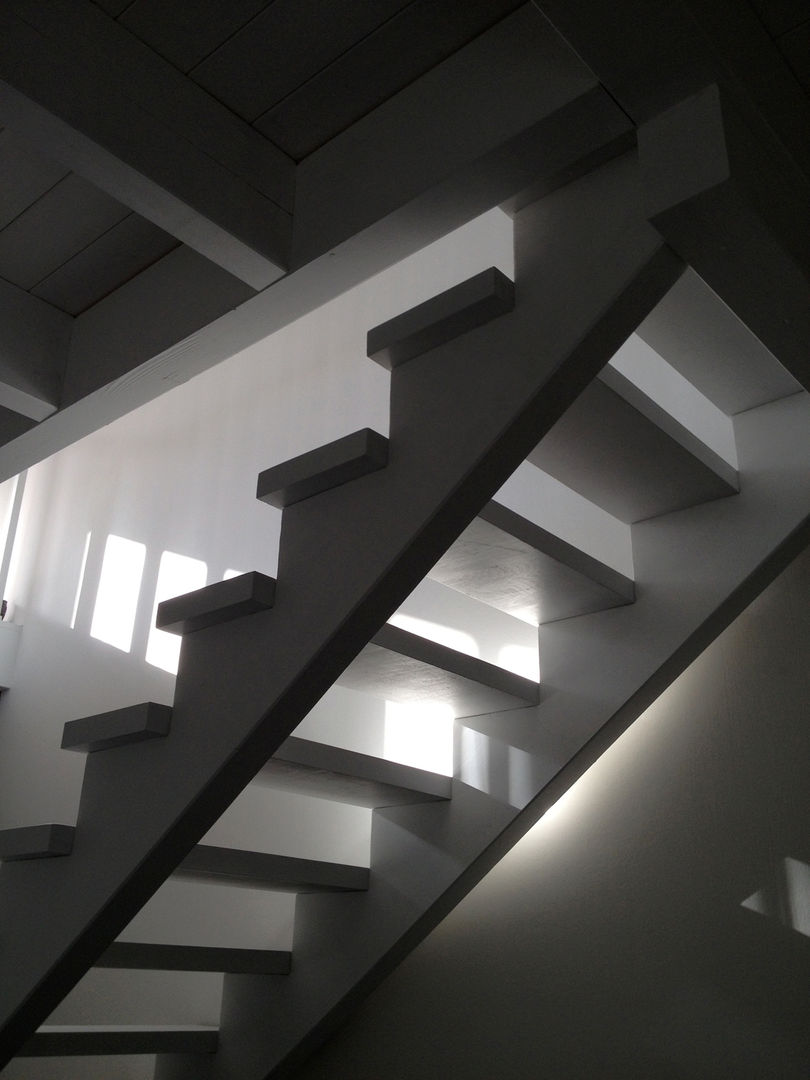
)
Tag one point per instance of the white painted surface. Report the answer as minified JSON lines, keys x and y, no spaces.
{"x":612,"y":941}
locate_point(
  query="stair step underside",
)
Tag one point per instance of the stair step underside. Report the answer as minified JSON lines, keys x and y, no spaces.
{"x":64,"y":1040}
{"x":35,"y":842}
{"x":216,"y":603}
{"x":326,"y":467}
{"x":400,"y":666}
{"x":442,"y":318}
{"x":508,"y":562}
{"x":330,"y":772}
{"x":105,"y":731}
{"x":160,"y":957}
{"x":608,"y":450}
{"x":694,"y":331}
{"x":283,"y":873}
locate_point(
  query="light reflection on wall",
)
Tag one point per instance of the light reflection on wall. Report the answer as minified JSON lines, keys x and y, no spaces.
{"x":785,"y":896}
{"x":80,"y":582}
{"x":178,"y":574}
{"x":118,"y":590}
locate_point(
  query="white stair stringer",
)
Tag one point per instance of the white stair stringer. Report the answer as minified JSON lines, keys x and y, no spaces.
{"x":696,"y":569}
{"x":462,"y":418}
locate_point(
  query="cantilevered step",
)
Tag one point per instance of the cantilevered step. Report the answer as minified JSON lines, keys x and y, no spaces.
{"x":64,"y":1041}
{"x":35,"y":842}
{"x":330,"y":772}
{"x":401,"y":666}
{"x":279,"y":872}
{"x":442,"y":318}
{"x":510,"y":563}
{"x":135,"y":723}
{"x":159,"y":957}
{"x":326,"y":467}
{"x":217,"y":603}
{"x":619,"y":449}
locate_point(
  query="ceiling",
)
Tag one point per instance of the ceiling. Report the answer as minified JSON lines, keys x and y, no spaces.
{"x":175,"y":178}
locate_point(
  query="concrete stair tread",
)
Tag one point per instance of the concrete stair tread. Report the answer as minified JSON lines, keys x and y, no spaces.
{"x":119,"y":727}
{"x":461,"y":308}
{"x":220,"y":602}
{"x":507,"y":561}
{"x":330,"y":772}
{"x":282,"y":873}
{"x":401,"y":666}
{"x":159,"y":957}
{"x":620,"y":450}
{"x":326,"y":467}
{"x":59,"y":1040}
{"x":35,"y":842}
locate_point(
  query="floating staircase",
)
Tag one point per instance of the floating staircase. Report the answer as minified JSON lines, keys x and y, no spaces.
{"x":483,"y":378}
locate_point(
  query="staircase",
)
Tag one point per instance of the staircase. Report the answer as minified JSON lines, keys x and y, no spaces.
{"x":498,"y":396}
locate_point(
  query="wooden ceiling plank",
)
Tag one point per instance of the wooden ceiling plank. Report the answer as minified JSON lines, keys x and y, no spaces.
{"x":399,"y":52}
{"x":288,"y":43}
{"x":186,"y":31}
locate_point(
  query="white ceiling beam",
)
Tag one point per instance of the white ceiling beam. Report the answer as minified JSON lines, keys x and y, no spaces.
{"x":88,"y":93}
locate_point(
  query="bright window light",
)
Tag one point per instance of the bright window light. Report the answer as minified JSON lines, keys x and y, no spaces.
{"x":80,"y":582}
{"x":433,"y":631}
{"x":232,"y":574}
{"x":178,"y":574}
{"x":520,"y":659}
{"x":420,"y":735}
{"x":118,"y":590}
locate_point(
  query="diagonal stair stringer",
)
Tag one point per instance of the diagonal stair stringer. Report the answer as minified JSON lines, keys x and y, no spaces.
{"x":463,"y":417}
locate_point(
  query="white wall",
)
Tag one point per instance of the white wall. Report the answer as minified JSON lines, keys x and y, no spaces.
{"x":612,"y":941}
{"x":179,"y":475}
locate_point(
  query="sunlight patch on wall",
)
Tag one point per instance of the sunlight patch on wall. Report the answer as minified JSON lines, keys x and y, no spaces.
{"x":178,"y":574}
{"x":420,"y":735}
{"x":118,"y":590}
{"x":80,"y":582}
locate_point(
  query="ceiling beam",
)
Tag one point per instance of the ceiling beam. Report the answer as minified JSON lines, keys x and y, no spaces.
{"x":88,"y":93}
{"x":34,"y":341}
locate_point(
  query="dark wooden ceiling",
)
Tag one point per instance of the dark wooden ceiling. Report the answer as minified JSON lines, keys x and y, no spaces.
{"x":301,"y":71}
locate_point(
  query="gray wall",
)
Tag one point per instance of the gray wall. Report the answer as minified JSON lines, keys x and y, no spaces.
{"x":612,"y":940}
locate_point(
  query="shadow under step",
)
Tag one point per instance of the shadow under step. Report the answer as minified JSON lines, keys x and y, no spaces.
{"x":508,"y":562}
{"x":401,"y":666}
{"x":35,"y":842}
{"x":694,"y":331}
{"x":621,"y":450}
{"x":64,"y":1040}
{"x":345,"y":776}
{"x":283,"y":873}
{"x":159,"y":957}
